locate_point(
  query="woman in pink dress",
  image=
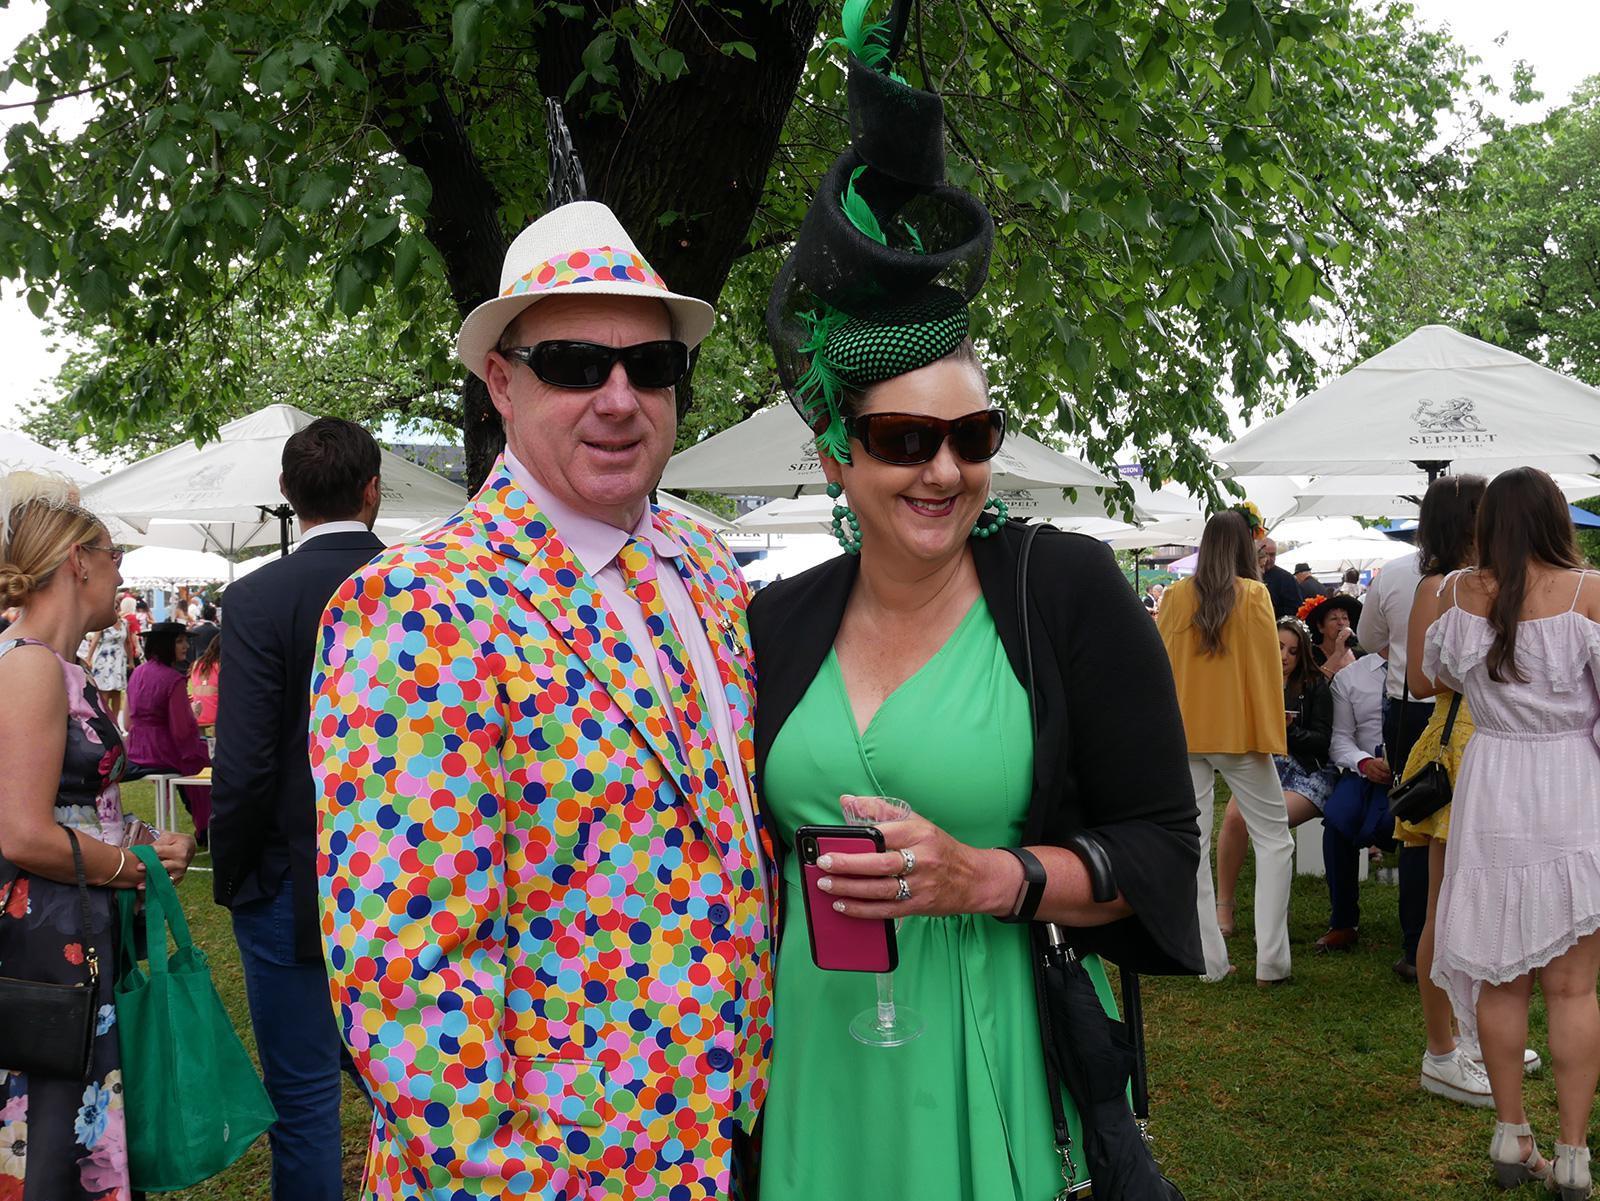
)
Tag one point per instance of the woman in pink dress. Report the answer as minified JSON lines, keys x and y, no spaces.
{"x":1521,"y":636}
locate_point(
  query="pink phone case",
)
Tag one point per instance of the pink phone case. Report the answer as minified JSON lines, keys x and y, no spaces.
{"x":840,"y":943}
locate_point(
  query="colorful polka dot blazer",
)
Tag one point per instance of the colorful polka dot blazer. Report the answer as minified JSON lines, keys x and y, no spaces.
{"x":547,"y":937}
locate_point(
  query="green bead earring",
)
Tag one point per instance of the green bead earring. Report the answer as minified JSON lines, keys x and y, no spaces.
{"x":849,"y":539}
{"x":980,"y":530}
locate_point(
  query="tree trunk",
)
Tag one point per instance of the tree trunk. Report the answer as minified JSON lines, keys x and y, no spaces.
{"x":699,"y":147}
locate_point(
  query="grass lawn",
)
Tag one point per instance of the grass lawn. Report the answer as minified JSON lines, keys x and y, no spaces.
{"x":1305,"y":1092}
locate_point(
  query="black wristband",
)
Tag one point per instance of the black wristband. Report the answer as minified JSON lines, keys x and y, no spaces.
{"x":1033,"y":878}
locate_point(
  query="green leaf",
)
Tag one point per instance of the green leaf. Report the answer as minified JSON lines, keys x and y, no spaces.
{"x":744,"y":49}
{"x":1261,"y":95}
{"x":168,"y":157}
{"x":318,"y":193}
{"x":407,"y":258}
{"x":349,"y":289}
{"x":377,"y":229}
{"x":1235,"y":19}
{"x":41,"y":258}
{"x":242,"y":209}
{"x":223,"y":70}
{"x":141,"y":60}
{"x":671,"y":63}
{"x":1235,"y":147}
{"x":1083,"y":35}
{"x":466,"y":33}
{"x":1302,"y":283}
{"x":272,"y":72}
{"x":94,"y":292}
{"x":38,"y":304}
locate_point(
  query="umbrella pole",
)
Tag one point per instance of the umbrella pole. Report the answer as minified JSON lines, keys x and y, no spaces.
{"x":1434,"y":467}
{"x":283,"y":513}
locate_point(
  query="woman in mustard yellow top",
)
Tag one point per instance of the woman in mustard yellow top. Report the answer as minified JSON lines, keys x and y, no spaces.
{"x":1219,"y":633}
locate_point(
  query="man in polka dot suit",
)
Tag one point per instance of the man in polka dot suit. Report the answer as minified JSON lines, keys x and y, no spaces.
{"x":544,"y":889}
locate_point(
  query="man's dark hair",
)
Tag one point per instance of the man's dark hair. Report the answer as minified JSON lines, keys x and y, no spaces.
{"x":208,"y":612}
{"x":326,"y":467}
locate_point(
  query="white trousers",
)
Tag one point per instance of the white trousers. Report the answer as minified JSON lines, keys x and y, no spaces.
{"x":1254,"y":781}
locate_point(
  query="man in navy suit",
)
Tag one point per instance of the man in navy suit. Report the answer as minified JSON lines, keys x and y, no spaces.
{"x":264,"y":821}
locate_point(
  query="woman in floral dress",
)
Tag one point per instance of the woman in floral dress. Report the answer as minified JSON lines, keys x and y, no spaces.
{"x":60,"y":760}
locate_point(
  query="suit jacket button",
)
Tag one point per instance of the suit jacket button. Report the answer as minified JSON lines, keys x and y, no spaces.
{"x":719,"y":914}
{"x":719,"y":1059}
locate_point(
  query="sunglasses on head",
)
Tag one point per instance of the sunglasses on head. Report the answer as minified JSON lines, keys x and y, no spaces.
{"x":585,"y":365}
{"x":908,"y":439}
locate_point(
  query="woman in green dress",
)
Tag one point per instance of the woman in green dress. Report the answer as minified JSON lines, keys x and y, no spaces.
{"x":899,"y":672}
{"x":898,"y":669}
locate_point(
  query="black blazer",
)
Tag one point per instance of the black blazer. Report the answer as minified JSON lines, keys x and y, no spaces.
{"x":1311,"y":733}
{"x":1110,"y":756}
{"x":263,"y":803}
{"x":1284,"y":590}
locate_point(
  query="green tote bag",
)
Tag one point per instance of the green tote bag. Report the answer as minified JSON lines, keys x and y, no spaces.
{"x":193,"y":1101}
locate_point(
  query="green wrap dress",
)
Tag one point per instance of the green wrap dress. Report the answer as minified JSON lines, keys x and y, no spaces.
{"x":960,"y":1111}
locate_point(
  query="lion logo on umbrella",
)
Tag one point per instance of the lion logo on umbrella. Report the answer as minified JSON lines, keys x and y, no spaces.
{"x":1454,"y":416}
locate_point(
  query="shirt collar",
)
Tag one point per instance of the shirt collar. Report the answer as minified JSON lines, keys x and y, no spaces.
{"x":594,"y":542}
{"x":334,"y":527}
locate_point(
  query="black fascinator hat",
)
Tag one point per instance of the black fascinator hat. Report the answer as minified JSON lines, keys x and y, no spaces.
{"x":889,"y":255}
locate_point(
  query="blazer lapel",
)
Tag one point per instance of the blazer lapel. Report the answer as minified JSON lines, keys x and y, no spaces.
{"x":550,"y":576}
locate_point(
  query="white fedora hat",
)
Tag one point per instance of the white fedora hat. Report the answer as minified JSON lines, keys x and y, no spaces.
{"x":579,"y":249}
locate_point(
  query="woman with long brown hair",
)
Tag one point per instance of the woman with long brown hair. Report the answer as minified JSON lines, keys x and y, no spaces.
{"x":1446,"y":543}
{"x":1219,"y":634}
{"x":1521,"y":892}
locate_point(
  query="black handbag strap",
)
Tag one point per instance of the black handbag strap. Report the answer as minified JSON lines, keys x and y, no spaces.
{"x":91,"y":958}
{"x":1051,"y":942}
{"x":1450,"y":721}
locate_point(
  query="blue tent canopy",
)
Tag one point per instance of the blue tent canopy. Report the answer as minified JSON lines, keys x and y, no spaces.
{"x":1406,"y":531}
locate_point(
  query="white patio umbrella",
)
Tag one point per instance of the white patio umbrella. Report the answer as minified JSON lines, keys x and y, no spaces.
{"x":1326,"y":555}
{"x":1435,"y":397}
{"x":233,"y":483}
{"x":18,"y":452}
{"x":810,"y":513}
{"x":774,"y":454}
{"x":1395,"y":496}
{"x":153,"y":566}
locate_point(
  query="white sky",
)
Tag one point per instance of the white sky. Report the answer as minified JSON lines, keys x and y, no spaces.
{"x":1556,"y":37}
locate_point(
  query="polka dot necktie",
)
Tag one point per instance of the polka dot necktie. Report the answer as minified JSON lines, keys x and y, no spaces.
{"x":696,"y":736}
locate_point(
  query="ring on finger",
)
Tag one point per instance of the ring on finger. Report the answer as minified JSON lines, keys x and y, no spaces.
{"x":910,"y":857}
{"x":903,"y":890}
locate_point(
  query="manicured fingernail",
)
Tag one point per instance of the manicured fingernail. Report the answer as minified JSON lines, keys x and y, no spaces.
{"x":826,"y":884}
{"x":838,"y":906}
{"x":826,"y":863}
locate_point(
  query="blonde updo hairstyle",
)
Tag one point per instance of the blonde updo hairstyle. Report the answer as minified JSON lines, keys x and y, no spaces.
{"x":40,"y":522}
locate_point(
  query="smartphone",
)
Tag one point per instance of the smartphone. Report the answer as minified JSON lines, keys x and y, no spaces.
{"x":840,"y":943}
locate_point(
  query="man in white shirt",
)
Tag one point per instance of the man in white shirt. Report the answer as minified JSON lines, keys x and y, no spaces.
{"x":1356,"y":745}
{"x":1385,"y":618}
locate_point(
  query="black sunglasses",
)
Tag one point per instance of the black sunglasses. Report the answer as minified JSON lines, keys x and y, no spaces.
{"x":908,"y":439}
{"x":588,"y":364}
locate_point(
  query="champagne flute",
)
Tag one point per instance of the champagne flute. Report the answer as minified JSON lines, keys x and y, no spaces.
{"x":886,"y":1023}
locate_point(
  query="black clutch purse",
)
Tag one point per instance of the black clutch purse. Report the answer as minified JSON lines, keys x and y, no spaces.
{"x":48,"y":1029}
{"x":1428,"y":791}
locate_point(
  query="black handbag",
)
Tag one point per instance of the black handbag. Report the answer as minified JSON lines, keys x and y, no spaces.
{"x":1096,"y":1057}
{"x":48,"y":1029}
{"x":1429,"y":790}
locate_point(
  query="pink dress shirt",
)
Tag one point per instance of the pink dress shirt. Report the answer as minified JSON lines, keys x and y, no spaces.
{"x":596,"y":544}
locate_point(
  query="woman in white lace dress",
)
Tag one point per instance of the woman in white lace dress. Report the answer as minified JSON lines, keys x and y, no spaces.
{"x":1521,"y":636}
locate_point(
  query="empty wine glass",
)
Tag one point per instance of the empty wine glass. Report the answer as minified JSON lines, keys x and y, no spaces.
{"x":886,"y":1023}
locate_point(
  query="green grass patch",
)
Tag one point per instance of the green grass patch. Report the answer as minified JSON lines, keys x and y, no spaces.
{"x":1305,"y":1092}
